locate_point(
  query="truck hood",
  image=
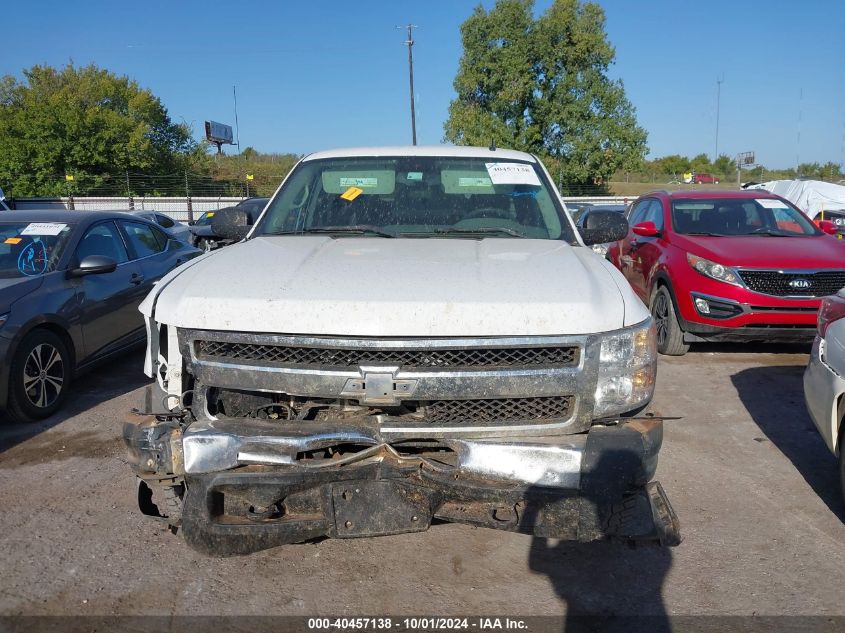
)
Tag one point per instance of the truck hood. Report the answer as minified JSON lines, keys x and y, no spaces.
{"x":820,"y":251}
{"x":396,"y":287}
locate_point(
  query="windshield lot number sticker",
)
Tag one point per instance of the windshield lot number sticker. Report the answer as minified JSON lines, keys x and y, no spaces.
{"x":512,"y":174}
{"x":359,"y":182}
{"x":767,"y":203}
{"x":43,"y":228}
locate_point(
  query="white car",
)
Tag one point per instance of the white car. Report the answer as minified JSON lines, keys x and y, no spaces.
{"x":824,"y":379}
{"x":405,"y":334}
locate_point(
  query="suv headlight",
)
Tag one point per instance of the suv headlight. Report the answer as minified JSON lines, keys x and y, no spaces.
{"x":627,"y":370}
{"x":714,"y":270}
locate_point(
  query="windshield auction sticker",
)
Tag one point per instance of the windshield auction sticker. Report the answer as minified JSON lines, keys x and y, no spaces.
{"x":359,"y":182}
{"x":768,"y":203}
{"x":512,"y":174}
{"x":44,"y":228}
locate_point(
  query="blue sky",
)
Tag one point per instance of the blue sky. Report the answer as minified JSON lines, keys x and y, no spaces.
{"x":326,"y":73}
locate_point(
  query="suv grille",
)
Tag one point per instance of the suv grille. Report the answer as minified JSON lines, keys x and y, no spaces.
{"x":774,"y":282}
{"x":553,"y":356}
{"x":496,"y":411}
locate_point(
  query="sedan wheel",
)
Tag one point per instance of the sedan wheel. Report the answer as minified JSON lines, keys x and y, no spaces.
{"x":40,"y":374}
{"x":43,"y":375}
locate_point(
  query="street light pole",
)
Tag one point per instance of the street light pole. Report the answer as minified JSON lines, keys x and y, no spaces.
{"x":718,"y":103}
{"x":410,"y":44}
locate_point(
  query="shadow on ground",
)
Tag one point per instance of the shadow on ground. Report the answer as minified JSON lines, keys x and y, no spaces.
{"x":606,"y":580}
{"x":774,"y":397}
{"x":108,"y":381}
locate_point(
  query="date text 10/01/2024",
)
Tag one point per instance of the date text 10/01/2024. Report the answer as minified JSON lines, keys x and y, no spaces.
{"x":417,"y":623}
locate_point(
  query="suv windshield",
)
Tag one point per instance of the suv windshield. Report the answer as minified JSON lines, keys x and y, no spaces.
{"x":740,"y":216}
{"x":417,"y":196}
{"x":29,"y":249}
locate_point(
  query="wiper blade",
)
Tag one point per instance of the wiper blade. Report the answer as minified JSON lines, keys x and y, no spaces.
{"x":352,"y":228}
{"x":708,"y":234}
{"x":774,"y":233}
{"x":486,"y":230}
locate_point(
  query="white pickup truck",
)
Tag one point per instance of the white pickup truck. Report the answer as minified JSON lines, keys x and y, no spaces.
{"x":405,"y":334}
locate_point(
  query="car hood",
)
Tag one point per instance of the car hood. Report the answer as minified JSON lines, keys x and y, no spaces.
{"x":767,"y":251}
{"x":397,"y":287}
{"x":13,"y":289}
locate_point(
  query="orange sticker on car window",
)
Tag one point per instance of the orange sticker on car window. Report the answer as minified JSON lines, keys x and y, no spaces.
{"x":13,"y":240}
{"x":351,"y":193}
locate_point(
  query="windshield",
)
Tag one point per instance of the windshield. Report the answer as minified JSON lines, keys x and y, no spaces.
{"x":742,"y":216}
{"x":205,"y":218}
{"x":29,"y":249}
{"x":417,"y":196}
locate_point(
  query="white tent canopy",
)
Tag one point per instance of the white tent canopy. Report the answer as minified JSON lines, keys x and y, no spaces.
{"x":811,"y":196}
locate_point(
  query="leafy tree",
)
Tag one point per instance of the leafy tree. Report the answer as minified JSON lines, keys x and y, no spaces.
{"x":724,"y":165}
{"x":87,"y":122}
{"x":701,"y":163}
{"x":541,"y":85}
{"x":672,"y":164}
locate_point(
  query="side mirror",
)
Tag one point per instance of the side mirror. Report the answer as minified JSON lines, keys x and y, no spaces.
{"x":230,"y":224}
{"x":602,"y":227}
{"x":93,"y":265}
{"x":828,"y":227}
{"x":646,"y":229}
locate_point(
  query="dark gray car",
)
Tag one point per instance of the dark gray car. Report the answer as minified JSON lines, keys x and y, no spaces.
{"x":70,"y":286}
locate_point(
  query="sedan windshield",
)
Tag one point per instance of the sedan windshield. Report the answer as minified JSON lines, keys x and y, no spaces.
{"x":417,"y":196}
{"x":29,"y":249}
{"x":740,"y":216}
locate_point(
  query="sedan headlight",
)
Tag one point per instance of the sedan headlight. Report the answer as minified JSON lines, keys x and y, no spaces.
{"x":3,"y":319}
{"x":714,"y":270}
{"x":627,"y":370}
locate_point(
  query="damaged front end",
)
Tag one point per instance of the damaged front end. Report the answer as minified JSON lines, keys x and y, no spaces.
{"x":248,"y":441}
{"x":251,"y":484}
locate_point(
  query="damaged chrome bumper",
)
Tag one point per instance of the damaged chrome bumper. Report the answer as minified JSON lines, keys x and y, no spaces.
{"x":249,"y":485}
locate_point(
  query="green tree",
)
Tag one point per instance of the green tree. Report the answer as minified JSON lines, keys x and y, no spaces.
{"x":541,"y":85}
{"x":87,"y":122}
{"x":724,"y":165}
{"x":701,"y":163}
{"x":672,"y":164}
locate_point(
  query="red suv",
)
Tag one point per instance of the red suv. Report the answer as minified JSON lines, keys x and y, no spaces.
{"x":737,"y":265}
{"x":702,"y":178}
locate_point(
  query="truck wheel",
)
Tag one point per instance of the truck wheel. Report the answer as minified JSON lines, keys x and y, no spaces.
{"x":670,"y":337}
{"x":39,"y":377}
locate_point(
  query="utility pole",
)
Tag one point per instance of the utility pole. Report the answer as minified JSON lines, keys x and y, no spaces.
{"x":718,"y":104}
{"x":410,"y":44}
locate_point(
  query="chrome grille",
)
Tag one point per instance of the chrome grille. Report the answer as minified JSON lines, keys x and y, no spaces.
{"x":496,"y":410}
{"x":407,"y":358}
{"x":777,"y":283}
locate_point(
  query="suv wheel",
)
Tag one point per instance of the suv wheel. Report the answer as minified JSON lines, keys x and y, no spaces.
{"x":39,"y":377}
{"x":670,"y":337}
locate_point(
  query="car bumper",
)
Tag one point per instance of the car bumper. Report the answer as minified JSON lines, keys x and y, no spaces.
{"x":823,"y":391}
{"x":249,"y":486}
{"x":746,"y":316}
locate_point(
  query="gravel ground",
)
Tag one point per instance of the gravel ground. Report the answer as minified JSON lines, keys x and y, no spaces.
{"x":752,"y":483}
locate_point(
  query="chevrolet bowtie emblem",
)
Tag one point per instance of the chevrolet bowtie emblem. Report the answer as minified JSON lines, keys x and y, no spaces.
{"x":378,"y":386}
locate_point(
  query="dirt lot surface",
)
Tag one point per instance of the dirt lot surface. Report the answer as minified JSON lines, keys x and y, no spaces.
{"x":749,"y":477}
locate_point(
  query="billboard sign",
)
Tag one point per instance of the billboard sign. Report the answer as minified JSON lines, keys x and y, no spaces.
{"x":218,"y":132}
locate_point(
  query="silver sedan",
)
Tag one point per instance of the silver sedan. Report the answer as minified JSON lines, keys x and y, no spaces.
{"x":824,"y":379}
{"x":176,"y":229}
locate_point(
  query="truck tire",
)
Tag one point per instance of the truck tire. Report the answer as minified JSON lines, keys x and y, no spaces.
{"x":39,"y":377}
{"x":670,"y":337}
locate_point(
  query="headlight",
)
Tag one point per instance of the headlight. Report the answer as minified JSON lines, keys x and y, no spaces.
{"x":714,"y":270}
{"x":627,"y":370}
{"x":3,"y":319}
